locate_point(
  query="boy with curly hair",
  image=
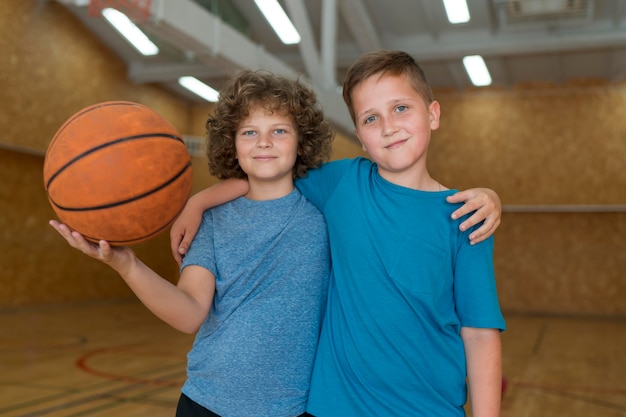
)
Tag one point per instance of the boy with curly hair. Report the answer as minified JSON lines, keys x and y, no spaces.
{"x":253,"y":284}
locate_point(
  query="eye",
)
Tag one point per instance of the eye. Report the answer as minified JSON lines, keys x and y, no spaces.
{"x":369,"y":120}
{"x":401,"y":108}
{"x":247,"y":133}
{"x":280,"y":131}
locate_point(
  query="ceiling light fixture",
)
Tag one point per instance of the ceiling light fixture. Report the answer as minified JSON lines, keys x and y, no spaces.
{"x":279,"y":21}
{"x":457,"y":11}
{"x":130,"y":31}
{"x":477,"y":70}
{"x":199,"y":88}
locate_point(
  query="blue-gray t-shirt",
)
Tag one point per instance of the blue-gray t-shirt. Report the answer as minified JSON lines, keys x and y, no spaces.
{"x":254,"y":353}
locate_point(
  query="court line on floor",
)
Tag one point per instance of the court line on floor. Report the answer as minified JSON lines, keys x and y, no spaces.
{"x":82,"y":364}
{"x":112,"y":395}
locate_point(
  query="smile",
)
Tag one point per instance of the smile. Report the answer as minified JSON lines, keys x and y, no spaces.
{"x":396,"y":144}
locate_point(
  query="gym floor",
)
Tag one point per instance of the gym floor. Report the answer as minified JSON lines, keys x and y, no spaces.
{"x":118,"y":359}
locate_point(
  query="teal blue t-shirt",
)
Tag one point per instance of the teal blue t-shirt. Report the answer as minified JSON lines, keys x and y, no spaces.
{"x":404,"y":281}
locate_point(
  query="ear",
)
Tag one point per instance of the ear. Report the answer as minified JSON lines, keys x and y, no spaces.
{"x":434,"y":111}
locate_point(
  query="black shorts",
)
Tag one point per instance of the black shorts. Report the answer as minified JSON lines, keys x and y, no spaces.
{"x":189,"y":408}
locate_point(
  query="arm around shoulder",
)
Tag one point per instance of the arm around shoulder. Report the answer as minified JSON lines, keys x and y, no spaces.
{"x":186,"y":225}
{"x":485,"y":205}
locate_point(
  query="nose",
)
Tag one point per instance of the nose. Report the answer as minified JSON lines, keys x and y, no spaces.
{"x":263,"y":141}
{"x":388,"y":126}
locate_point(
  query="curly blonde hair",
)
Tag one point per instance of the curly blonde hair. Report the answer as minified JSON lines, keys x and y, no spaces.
{"x":275,"y":93}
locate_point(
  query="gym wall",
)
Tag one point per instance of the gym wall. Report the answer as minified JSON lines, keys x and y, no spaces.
{"x":555,"y":155}
{"x":557,"y":158}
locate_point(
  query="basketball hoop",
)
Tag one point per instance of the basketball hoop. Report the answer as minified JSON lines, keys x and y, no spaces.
{"x":136,"y":10}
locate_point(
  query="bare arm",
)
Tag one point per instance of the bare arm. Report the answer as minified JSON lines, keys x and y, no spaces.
{"x":186,"y":225}
{"x":484,"y":370}
{"x":486,"y":206}
{"x":183,"y":306}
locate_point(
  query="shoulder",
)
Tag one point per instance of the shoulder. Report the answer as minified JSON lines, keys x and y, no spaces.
{"x":343,"y":165}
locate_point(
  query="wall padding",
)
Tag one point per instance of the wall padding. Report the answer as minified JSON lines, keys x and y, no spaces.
{"x":537,"y":146}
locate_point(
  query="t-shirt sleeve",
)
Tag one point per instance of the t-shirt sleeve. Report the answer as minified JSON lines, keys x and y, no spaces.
{"x":320,"y":183}
{"x":475,"y":292}
{"x":202,"y":250}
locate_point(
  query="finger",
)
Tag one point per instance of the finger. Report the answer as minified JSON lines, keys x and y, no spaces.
{"x":472,"y":220}
{"x":474,"y":205}
{"x":483,"y":232}
{"x":184,"y":244}
{"x":105,"y":249}
{"x":471,"y":200}
{"x":175,"y":239}
{"x":64,"y":231}
{"x":461,"y":196}
{"x":85,"y":246}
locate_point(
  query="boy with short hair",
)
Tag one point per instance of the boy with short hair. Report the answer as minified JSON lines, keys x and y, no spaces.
{"x":413,"y":308}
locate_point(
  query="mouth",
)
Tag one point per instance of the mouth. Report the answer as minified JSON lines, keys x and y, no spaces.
{"x":396,"y":144}
{"x":263,"y":158}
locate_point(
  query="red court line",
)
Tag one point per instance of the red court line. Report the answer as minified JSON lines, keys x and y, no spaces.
{"x":81,"y":363}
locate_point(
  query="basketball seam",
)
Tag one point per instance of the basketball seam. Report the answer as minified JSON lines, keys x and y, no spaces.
{"x":146,"y":236}
{"x":105,"y":145}
{"x":128,"y":200}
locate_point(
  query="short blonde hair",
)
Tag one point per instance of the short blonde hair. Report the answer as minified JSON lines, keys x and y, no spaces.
{"x":381,"y":63}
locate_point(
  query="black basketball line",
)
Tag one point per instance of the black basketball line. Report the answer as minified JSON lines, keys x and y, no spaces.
{"x":139,"y":238}
{"x":128,"y":200}
{"x":105,"y":145}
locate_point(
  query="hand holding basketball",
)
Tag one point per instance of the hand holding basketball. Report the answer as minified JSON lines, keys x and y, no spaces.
{"x":118,"y":258}
{"x":117,"y":171}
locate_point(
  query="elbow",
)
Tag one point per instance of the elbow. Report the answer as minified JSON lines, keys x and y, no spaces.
{"x":189,"y":328}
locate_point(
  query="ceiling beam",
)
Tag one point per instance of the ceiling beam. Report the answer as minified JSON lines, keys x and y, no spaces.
{"x":139,"y":72}
{"x":195,"y":30}
{"x":308,"y":49}
{"x":328,"y":43}
{"x":456,"y":45}
{"x":360,"y":25}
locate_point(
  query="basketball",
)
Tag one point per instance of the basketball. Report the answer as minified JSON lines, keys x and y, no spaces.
{"x":117,"y":171}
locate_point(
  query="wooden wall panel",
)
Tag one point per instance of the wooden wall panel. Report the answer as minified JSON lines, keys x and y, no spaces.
{"x":543,"y":146}
{"x":536,"y":146}
{"x":37,"y":266}
{"x":55,"y":67}
{"x":562,"y":263}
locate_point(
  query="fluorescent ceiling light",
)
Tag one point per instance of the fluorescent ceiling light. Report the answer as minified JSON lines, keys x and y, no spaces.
{"x":130,"y":31}
{"x":199,"y":88}
{"x":279,"y":21}
{"x":457,"y":11}
{"x":477,"y":70}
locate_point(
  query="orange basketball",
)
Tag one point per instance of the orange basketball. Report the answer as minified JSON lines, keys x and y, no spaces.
{"x":117,"y":171}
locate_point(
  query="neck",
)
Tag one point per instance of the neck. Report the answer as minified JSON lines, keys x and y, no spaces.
{"x":260,"y":190}
{"x":422,"y":182}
